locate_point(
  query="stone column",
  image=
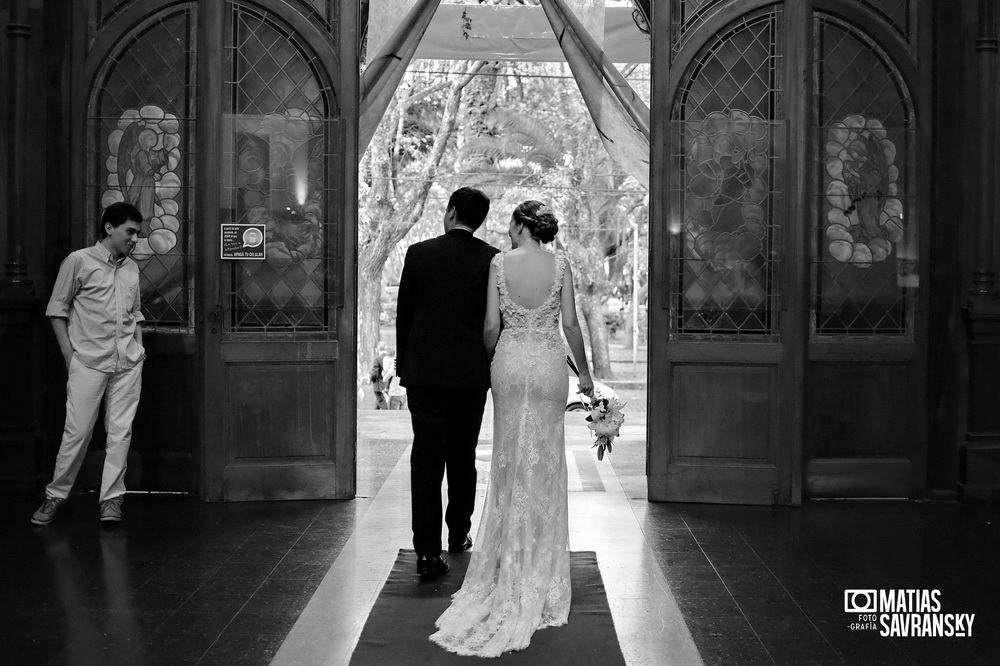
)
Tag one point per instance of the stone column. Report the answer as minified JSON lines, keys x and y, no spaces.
{"x":18,"y":302}
{"x":979,"y":455}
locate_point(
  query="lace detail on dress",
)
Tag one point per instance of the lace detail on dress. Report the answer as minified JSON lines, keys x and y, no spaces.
{"x":518,"y":576}
{"x":541,"y":323}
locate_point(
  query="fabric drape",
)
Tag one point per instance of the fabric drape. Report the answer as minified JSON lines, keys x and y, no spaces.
{"x":386,"y":68}
{"x":620,"y":115}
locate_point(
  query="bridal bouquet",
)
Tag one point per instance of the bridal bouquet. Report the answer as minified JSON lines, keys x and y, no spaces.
{"x":605,"y":419}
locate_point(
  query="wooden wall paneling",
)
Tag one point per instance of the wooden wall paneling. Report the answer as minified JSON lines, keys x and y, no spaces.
{"x":4,"y":131}
{"x":922,"y":89}
{"x":658,"y":422}
{"x":208,"y":324}
{"x":345,"y":381}
{"x":794,"y":307}
{"x":951,"y":45}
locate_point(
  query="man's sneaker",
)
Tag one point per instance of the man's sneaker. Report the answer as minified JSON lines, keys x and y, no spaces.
{"x":47,"y":511}
{"x":111,"y":510}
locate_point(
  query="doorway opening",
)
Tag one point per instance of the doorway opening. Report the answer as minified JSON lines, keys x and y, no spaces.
{"x":517,"y":127}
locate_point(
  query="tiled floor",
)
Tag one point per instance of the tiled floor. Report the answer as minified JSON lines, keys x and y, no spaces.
{"x":182,"y":581}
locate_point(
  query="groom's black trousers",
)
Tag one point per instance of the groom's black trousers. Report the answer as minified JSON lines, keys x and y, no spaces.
{"x":446,"y":424}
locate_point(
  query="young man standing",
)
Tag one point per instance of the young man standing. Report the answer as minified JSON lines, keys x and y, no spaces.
{"x":94,"y":311}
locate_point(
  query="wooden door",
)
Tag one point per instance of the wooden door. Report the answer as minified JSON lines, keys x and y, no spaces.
{"x":277,"y":333}
{"x":866,"y":417}
{"x":787,"y":349}
{"x":723,"y":362}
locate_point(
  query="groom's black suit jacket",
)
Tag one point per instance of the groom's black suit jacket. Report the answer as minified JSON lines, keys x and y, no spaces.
{"x":440,"y":310}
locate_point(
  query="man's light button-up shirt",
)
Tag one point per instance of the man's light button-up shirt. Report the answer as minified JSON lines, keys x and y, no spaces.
{"x":100,"y":299}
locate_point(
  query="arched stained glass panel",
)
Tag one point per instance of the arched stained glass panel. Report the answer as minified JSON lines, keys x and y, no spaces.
{"x":687,"y":16}
{"x":864,"y":263}
{"x":278,"y":144}
{"x":727,"y":183}
{"x":900,"y":14}
{"x":140,"y":150}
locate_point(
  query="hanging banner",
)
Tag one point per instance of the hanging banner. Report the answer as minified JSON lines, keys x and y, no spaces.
{"x":384,"y":16}
{"x":590,"y":13}
{"x":620,"y":115}
{"x":522,"y":32}
{"x":386,"y":67}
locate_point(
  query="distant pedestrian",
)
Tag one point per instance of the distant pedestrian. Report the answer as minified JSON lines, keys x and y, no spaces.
{"x":94,"y":311}
{"x":396,"y":393}
{"x":376,"y":375}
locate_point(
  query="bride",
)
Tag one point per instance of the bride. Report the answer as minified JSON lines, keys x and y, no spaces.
{"x":518,"y":577}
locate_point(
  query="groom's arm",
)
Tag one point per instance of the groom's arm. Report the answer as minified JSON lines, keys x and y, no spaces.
{"x":404,"y":310}
{"x":492,"y":322}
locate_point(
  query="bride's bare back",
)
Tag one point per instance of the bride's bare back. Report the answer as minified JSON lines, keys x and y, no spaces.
{"x":529,"y":274}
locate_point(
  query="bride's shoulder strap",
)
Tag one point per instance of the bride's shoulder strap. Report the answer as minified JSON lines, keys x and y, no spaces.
{"x":561,"y":262}
{"x":497,"y":262}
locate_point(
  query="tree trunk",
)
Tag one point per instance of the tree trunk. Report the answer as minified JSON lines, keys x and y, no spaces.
{"x":590,"y":307}
{"x":633,"y":302}
{"x":385,"y":218}
{"x":371,"y":260}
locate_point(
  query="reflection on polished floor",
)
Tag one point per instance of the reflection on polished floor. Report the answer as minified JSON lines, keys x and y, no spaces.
{"x":181,"y":581}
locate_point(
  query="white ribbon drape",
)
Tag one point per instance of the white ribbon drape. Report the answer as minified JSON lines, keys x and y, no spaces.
{"x":620,"y":115}
{"x":387,"y":65}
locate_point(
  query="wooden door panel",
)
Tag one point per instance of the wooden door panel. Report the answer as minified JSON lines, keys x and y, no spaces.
{"x":247,"y":482}
{"x":724,"y":412}
{"x":860,"y":428}
{"x":859,"y":477}
{"x":279,"y":410}
{"x":859,"y":410}
{"x":722,"y":483}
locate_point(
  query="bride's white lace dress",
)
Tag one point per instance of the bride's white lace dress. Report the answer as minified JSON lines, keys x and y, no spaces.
{"x":518,"y":576}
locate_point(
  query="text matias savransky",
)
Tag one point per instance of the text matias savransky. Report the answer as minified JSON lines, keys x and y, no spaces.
{"x":905,"y":613}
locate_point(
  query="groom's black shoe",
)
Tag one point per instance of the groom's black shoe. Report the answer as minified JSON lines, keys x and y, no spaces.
{"x":461,"y":546}
{"x":429,"y":568}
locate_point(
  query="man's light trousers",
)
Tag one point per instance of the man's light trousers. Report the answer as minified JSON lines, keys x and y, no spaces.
{"x":84,"y":390}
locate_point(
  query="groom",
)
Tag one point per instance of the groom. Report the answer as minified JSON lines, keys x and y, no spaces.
{"x":444,"y":366}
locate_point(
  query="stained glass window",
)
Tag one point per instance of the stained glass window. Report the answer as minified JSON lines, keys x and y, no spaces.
{"x":899,"y":14}
{"x":140,"y":150}
{"x":727,"y":183}
{"x":277,"y":155}
{"x":323,"y":12}
{"x":864,"y":260}
{"x":687,"y":16}
{"x":108,"y":10}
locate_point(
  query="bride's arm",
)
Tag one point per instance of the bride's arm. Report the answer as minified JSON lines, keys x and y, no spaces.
{"x":491,"y":326}
{"x":574,"y":336}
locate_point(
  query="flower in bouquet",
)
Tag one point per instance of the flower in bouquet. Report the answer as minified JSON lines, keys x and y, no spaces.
{"x":605,"y":419}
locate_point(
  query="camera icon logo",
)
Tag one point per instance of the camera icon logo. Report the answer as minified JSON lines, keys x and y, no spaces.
{"x":860,"y":601}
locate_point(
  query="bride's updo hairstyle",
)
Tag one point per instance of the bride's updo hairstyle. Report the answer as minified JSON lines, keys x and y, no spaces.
{"x":539,"y":219}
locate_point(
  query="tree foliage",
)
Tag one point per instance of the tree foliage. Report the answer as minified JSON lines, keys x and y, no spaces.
{"x":518,"y":131}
